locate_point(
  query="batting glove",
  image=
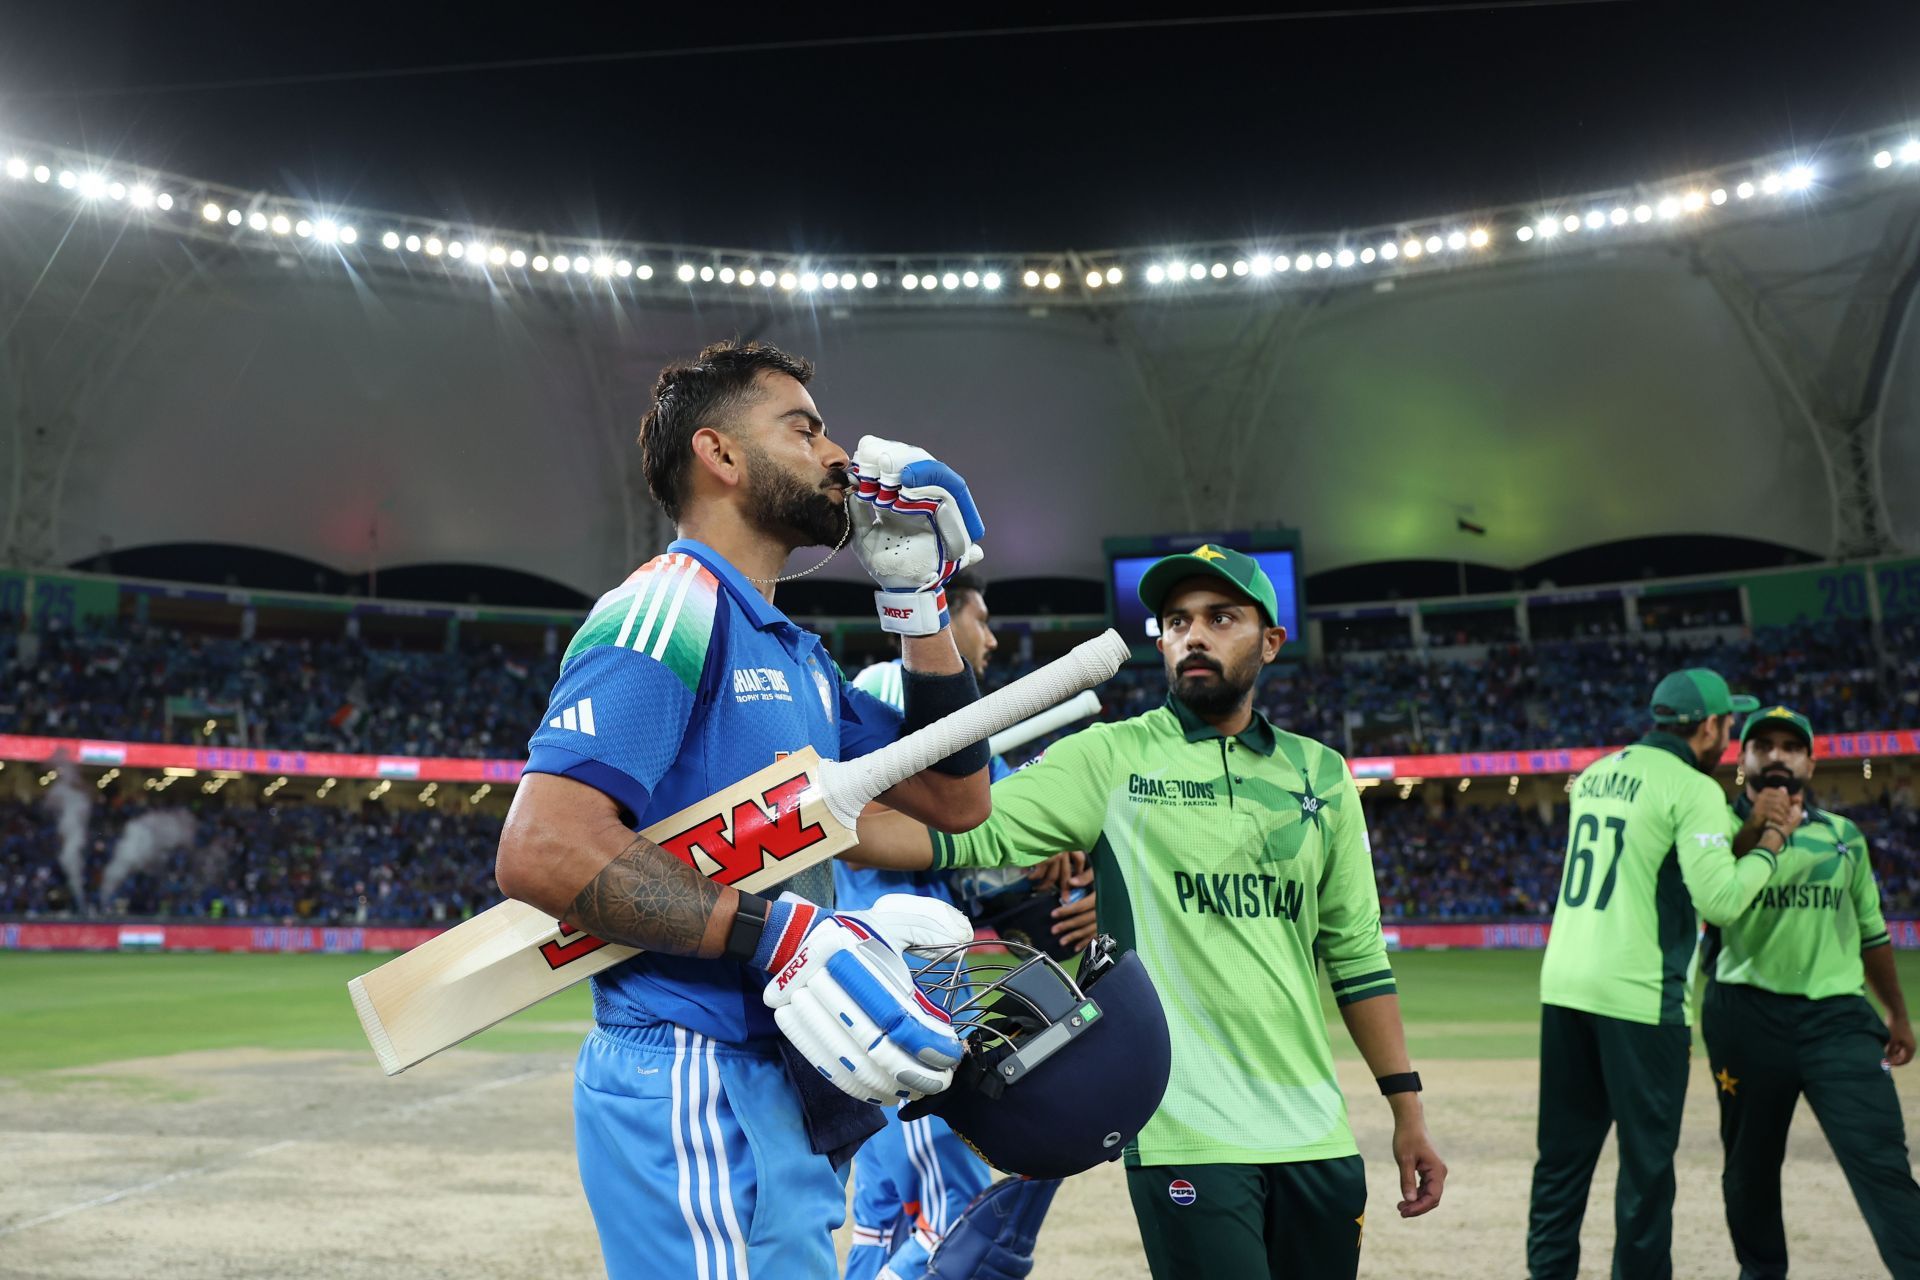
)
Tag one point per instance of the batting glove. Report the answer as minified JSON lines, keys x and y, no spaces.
{"x":915,"y":526}
{"x":842,"y":994}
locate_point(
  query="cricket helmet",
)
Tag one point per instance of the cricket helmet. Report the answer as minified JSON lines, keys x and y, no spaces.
{"x":1059,"y":1075}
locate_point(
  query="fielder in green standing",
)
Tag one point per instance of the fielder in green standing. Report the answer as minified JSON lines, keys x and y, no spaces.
{"x":1233,"y":856}
{"x":1651,"y":847}
{"x":1784,"y":1015}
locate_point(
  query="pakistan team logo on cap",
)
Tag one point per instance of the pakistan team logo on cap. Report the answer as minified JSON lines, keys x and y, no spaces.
{"x":1205,"y":551}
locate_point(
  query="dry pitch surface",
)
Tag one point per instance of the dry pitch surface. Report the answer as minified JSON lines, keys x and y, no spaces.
{"x":295,"y":1162}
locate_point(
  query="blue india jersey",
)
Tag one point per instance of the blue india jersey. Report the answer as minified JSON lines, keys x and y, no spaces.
{"x":683,"y":680}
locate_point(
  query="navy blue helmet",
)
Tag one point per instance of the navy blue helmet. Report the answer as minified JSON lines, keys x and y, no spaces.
{"x":1059,"y":1075}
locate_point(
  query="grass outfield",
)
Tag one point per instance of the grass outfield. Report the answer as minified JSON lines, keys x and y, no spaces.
{"x":73,"y":1010}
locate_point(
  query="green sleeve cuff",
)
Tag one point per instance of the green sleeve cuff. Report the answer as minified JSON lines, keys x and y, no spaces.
{"x":942,"y":849}
{"x":1355,"y":997}
{"x":1878,"y":940}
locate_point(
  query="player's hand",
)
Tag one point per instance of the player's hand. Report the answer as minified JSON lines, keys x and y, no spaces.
{"x":1055,"y":875}
{"x":1423,"y":1174}
{"x":914,"y":521}
{"x":1075,"y":919}
{"x":1899,"y":1042}
{"x":1773,"y":807}
{"x":842,"y":994}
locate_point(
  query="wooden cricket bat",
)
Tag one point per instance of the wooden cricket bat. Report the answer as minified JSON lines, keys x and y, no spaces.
{"x":1079,"y":707}
{"x":791,"y":815}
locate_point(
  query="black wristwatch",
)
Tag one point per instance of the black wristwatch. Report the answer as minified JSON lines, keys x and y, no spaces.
{"x":749,"y":922}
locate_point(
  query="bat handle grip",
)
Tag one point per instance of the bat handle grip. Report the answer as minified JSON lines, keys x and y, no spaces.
{"x":850,"y":785}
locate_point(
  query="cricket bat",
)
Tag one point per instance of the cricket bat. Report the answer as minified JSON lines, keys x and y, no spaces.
{"x":791,"y":815}
{"x":1079,"y":707}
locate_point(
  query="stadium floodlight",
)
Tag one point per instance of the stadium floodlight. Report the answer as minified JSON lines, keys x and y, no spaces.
{"x":1115,"y":275}
{"x":17,"y":168}
{"x":257,"y":220}
{"x":706,"y":274}
{"x":1744,"y":191}
{"x":1051,"y":280}
{"x":830,"y":280}
{"x":1524,"y":234}
{"x":809,"y":281}
{"x":233,"y":217}
{"x":67,"y":179}
{"x":41,"y":173}
{"x":623,"y":268}
{"x":303,"y":228}
{"x":726,"y":275}
{"x":971,"y":279}
{"x":1030,"y":278}
{"x":788,"y":280}
{"x":1619,"y":216}
{"x":1909,"y":152}
{"x":1196,"y":271}
{"x":1771,"y":184}
{"x":1457,"y":240}
{"x":1218,"y":271}
{"x":1799,"y":178}
{"x":539,"y":262}
{"x":1643,"y":213}
{"x":1176,"y":271}
{"x":581,"y":266}
{"x":1367,"y":254}
{"x":1240,"y":267}
{"x":869,"y":279}
{"x":517,"y":258}
{"x":164,"y":200}
{"x":348,"y":235}
{"x":1881,"y":159}
{"x":749,"y":277}
{"x":116,"y":191}
{"x":1667,"y":207}
{"x":1433,"y":244}
{"x":1596,"y":220}
{"x":413,"y":244}
{"x":210,"y":211}
{"x":1344,"y":258}
{"x":1095,"y":279}
{"x":1389,"y":250}
{"x":950,"y":281}
{"x":684,"y":272}
{"x":1303,"y":263}
{"x":643,"y":272}
{"x":1478,"y":238}
{"x":1693,"y":202}
{"x":1411,"y":249}
{"x":911,"y":281}
{"x":1262,"y":265}
{"x":391,"y":240}
{"x":1718,"y":195}
{"x":281,"y":224}
{"x":457,"y":249}
{"x":497,"y":255}
{"x":91,"y":186}
{"x":433,"y":246}
{"x":1156,"y":273}
{"x":326,"y":231}
{"x":1571,"y":222}
{"x":768,"y":279}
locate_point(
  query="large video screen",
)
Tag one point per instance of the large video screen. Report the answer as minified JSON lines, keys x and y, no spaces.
{"x":1130,"y":616}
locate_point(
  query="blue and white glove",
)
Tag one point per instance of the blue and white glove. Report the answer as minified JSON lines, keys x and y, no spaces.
{"x":915,"y":526}
{"x":842,"y":994}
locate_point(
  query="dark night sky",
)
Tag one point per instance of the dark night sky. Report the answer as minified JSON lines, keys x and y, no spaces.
{"x":1035,"y":141}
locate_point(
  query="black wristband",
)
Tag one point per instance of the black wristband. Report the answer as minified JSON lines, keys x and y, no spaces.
{"x":928,"y":698}
{"x":1400,"y":1082}
{"x":749,"y":922}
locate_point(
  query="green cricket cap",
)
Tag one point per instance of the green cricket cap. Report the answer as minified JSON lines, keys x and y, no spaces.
{"x":1695,"y":694}
{"x":1779,"y":715}
{"x":1242,"y":572}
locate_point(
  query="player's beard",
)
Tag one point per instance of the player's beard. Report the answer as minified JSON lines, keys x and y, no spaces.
{"x":782,"y":506}
{"x":1210,"y":696}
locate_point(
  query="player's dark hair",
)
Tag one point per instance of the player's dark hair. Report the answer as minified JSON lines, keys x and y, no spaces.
{"x":963,"y":584}
{"x":702,"y":393}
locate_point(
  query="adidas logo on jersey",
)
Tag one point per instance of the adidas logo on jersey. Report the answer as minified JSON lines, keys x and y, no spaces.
{"x":578,"y":718}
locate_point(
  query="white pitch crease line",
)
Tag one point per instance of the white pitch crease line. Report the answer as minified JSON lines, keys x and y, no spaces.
{"x":215,"y":1166}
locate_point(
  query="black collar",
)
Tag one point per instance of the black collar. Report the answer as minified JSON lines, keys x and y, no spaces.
{"x":1675,"y":743}
{"x":1257,"y":736}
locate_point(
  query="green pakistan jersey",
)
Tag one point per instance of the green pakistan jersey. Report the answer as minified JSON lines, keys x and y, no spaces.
{"x":1804,"y":934}
{"x":1231,"y":866}
{"x":1648,"y":842}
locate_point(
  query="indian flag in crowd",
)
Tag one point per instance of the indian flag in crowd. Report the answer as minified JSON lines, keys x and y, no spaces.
{"x":664,"y":610}
{"x":103,"y":753}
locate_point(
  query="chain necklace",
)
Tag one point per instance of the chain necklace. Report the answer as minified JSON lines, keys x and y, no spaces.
{"x":847,"y":533}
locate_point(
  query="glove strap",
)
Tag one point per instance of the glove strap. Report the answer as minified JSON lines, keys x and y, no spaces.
{"x":788,"y":922}
{"x":912,"y":613}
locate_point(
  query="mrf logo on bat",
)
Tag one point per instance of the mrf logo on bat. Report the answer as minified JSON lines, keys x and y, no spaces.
{"x":725,"y":847}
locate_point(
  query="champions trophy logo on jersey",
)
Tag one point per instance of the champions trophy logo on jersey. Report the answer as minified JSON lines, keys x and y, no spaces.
{"x":826,"y":690}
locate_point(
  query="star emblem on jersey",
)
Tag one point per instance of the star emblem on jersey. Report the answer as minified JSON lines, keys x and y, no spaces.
{"x":1311,"y":805}
{"x":1729,"y":1082}
{"x":1206,"y":552}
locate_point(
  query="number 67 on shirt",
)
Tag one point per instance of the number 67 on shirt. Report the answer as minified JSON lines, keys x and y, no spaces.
{"x":791,"y":815}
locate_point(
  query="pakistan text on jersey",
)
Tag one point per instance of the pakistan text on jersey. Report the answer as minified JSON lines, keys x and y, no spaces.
{"x":1242,"y":895}
{"x":1609,"y":786}
{"x":1821,"y":897}
{"x":1150,"y":789}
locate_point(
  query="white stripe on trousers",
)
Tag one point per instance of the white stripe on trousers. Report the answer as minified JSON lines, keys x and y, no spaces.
{"x":734,"y":1233}
{"x":680,"y":1157}
{"x":933,"y":1183}
{"x":700,"y":1141}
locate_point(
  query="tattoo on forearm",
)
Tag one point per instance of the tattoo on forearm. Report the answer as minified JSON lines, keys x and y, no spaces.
{"x":647,"y":898}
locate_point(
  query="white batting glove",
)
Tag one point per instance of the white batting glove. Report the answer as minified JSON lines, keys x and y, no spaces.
{"x":915,"y":526}
{"x":842,"y":994}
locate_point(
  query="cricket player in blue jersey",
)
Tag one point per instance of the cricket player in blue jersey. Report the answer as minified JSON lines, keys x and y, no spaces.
{"x":914,"y":1178}
{"x":713,"y":1112}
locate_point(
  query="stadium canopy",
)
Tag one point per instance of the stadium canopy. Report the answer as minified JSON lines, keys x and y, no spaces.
{"x":1723,"y":353}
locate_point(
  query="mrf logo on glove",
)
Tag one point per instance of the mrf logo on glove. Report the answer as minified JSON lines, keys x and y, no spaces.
{"x":915,"y":526}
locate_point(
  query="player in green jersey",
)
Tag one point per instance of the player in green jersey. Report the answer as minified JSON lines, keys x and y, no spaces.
{"x":1784,"y":1016}
{"x":1650,"y":843}
{"x":1233,"y":856}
